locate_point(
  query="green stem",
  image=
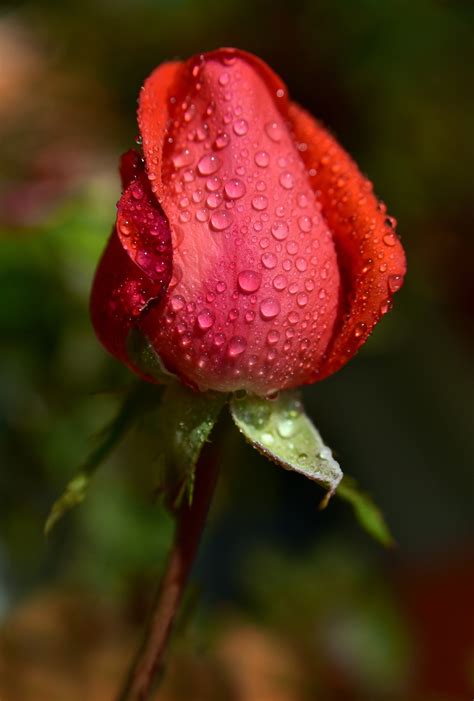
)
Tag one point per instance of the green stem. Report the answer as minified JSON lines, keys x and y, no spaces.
{"x":191,"y":519}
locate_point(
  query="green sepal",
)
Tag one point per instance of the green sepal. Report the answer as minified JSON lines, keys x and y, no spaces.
{"x":366,"y":511}
{"x":139,"y":400}
{"x":185,"y":421}
{"x":280,"y":430}
{"x":145,"y":357}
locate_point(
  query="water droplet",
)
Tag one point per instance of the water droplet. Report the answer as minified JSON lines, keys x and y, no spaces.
{"x":185,"y":216}
{"x":360,"y":329}
{"x":208,"y":164}
{"x":269,"y":308}
{"x":249,"y":316}
{"x":301,"y":264}
{"x":286,"y":180}
{"x":202,"y":215}
{"x":213,"y":184}
{"x":262,"y":159}
{"x":286,"y":428}
{"x":269,"y":260}
{"x":234,"y":189}
{"x":214,"y":200}
{"x":274,"y":131}
{"x":302,"y":201}
{"x":249,"y":281}
{"x":293,"y":317}
{"x":241,"y":127}
{"x":205,"y":319}
{"x":302,"y":299}
{"x":273,"y":337}
{"x":279,"y":282}
{"x":390,"y":239}
{"x":221,"y":287}
{"x":183,"y":158}
{"x":280,"y":230}
{"x":236,"y":347}
{"x":224,"y":78}
{"x":267,"y":438}
{"x":222,"y":139}
{"x":177,"y":303}
{"x":260,"y":203}
{"x":394,"y":283}
{"x":220,"y":220}
{"x":305,"y":224}
{"x":292,"y":247}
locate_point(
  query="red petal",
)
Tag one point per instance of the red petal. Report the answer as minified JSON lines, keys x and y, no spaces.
{"x":371,"y":257}
{"x":255,"y":291}
{"x":135,"y":269}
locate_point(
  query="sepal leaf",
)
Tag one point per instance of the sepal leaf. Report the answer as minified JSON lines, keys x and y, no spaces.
{"x":281,"y":430}
{"x":185,"y":421}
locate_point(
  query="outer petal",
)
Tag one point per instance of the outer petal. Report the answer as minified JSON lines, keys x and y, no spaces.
{"x":371,"y":256}
{"x":135,"y":269}
{"x":254,"y":295}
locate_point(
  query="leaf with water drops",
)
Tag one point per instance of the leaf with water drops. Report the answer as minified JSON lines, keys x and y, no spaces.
{"x":281,"y":430}
{"x":185,"y":422}
{"x":366,"y":511}
{"x":139,"y":400}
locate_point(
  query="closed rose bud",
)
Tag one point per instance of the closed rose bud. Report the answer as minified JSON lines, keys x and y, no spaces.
{"x":248,"y":248}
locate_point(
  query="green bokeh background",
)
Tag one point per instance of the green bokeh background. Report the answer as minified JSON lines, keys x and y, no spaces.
{"x":390,"y":78}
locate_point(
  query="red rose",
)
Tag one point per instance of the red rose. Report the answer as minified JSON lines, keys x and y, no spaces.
{"x":248,"y":249}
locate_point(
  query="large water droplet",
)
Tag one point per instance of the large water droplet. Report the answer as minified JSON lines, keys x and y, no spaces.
{"x":279,"y":282}
{"x":249,"y":281}
{"x":183,"y":158}
{"x":205,"y":319}
{"x":241,"y":127}
{"x":262,"y":159}
{"x":269,"y":260}
{"x":274,"y":131}
{"x":208,"y":164}
{"x":220,"y":220}
{"x":236,"y":347}
{"x":394,"y":283}
{"x":305,"y":224}
{"x":260,"y":202}
{"x":222,"y":140}
{"x":177,"y":303}
{"x":269,"y":308}
{"x":280,"y":230}
{"x":234,"y":189}
{"x":286,"y":180}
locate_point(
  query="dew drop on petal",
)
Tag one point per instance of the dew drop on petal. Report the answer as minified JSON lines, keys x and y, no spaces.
{"x":241,"y":127}
{"x":205,"y":319}
{"x":305,"y":224}
{"x":262,"y":159}
{"x":286,"y":180}
{"x":274,"y":131}
{"x":237,"y":345}
{"x":280,"y":230}
{"x":269,"y":308}
{"x":260,"y":203}
{"x":208,"y":164}
{"x":220,"y":220}
{"x":269,"y":260}
{"x":249,"y":281}
{"x":234,"y":189}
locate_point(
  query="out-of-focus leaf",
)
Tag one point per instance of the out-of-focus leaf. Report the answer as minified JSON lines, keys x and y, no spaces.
{"x":366,"y":511}
{"x":281,"y":430}
{"x":141,"y":398}
{"x":185,"y":421}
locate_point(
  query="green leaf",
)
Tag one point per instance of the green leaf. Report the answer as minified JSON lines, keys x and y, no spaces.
{"x":145,"y":357}
{"x":139,"y":400}
{"x":280,"y":430}
{"x":366,"y":511}
{"x":185,"y":421}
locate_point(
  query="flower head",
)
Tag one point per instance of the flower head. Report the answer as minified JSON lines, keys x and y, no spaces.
{"x":248,"y":248}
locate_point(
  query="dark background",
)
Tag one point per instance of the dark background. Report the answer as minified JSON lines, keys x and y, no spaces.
{"x":289,"y":603}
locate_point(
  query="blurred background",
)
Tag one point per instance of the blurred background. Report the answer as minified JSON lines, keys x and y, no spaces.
{"x":288,"y":603}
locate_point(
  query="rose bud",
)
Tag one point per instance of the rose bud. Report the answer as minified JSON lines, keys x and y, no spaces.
{"x":249,"y":250}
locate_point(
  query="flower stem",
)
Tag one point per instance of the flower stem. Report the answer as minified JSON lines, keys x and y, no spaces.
{"x":191,"y":519}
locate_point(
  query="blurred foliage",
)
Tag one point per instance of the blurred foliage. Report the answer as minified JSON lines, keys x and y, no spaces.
{"x":296,"y":603}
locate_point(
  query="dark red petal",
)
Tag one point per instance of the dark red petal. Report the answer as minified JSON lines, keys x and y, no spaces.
{"x":370,"y":254}
{"x":144,"y":231}
{"x":135,"y":269}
